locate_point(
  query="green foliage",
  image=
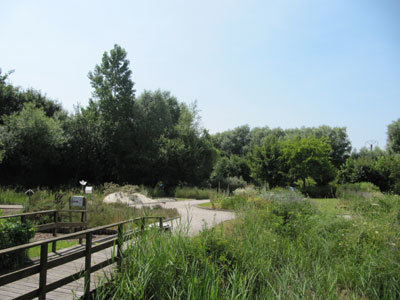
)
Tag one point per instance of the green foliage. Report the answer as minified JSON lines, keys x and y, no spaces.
{"x":319,"y":191}
{"x":353,"y":189}
{"x":389,"y":168}
{"x":336,"y":137}
{"x":193,"y":193}
{"x":375,"y":166}
{"x":113,"y":89}
{"x":14,"y":233}
{"x":233,"y":141}
{"x":281,"y":250}
{"x":11,"y":196}
{"x":87,"y":144}
{"x":266,"y":163}
{"x":308,"y":157}
{"x":112,"y":84}
{"x":225,"y":168}
{"x":187,"y":157}
{"x":393,"y":141}
{"x":33,"y":144}
{"x":13,"y":99}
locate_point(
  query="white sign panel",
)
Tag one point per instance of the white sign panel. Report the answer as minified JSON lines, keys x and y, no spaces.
{"x":88,"y":190}
{"x":76,"y":200}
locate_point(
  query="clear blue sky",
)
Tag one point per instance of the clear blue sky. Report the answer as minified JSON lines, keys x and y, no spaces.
{"x":263,"y":63}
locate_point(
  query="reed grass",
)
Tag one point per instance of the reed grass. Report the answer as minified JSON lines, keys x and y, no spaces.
{"x":283,"y":249}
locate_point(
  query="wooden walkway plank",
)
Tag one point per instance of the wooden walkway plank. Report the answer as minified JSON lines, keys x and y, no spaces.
{"x":69,"y":291}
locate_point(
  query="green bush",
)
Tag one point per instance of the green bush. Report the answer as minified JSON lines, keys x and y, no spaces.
{"x":364,"y":189}
{"x":234,"y":183}
{"x":233,"y":202}
{"x":14,"y":233}
{"x":319,"y":191}
{"x":282,"y":195}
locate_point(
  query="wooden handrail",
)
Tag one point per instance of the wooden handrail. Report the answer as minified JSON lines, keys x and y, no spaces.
{"x":43,"y":288}
{"x":29,"y":214}
{"x":69,"y":236}
{"x":42,"y":212}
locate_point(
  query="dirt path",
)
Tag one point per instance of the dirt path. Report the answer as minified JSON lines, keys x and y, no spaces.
{"x":193,"y":218}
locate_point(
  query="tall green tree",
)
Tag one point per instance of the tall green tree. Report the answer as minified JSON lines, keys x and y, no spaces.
{"x":336,"y":136}
{"x":308,"y":157}
{"x":266,"y":163}
{"x":113,"y":89}
{"x":393,"y":140}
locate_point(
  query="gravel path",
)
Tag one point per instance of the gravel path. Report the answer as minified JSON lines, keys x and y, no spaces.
{"x":193,"y":218}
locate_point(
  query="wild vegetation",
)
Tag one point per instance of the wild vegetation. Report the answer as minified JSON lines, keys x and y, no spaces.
{"x":98,"y":212}
{"x":281,"y":246}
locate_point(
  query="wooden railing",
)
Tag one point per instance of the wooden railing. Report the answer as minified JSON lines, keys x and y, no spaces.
{"x":56,"y":224}
{"x":45,"y":264}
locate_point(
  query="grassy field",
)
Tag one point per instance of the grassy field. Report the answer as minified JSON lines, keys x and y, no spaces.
{"x":330,"y":206}
{"x":280,"y":246}
{"x":34,"y":252}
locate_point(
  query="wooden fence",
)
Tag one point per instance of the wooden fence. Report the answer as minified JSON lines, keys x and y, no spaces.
{"x":56,"y":223}
{"x":44,"y":264}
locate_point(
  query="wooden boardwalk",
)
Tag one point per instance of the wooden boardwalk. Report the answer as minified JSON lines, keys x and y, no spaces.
{"x":72,"y":290}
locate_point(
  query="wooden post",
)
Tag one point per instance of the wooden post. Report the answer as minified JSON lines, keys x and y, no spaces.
{"x":43,"y":271}
{"x":83,"y":217}
{"x":143,"y":223}
{"x":54,"y":244}
{"x":70,"y":215}
{"x":120,"y":242}
{"x":161,"y":224}
{"x":88,"y":263}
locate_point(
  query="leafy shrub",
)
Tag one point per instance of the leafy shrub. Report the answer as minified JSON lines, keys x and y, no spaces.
{"x":248,"y":191}
{"x":234,"y":183}
{"x":364,"y":189}
{"x":233,"y":202}
{"x":14,"y":233}
{"x":319,"y":191}
{"x":283,"y":195}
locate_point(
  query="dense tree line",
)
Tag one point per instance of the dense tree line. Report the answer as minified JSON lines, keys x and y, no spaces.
{"x":153,"y":138}
{"x":118,"y":137}
{"x":318,"y":157}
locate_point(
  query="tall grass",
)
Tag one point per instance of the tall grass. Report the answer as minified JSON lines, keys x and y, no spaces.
{"x":194,"y":193}
{"x":283,"y":249}
{"x":10,"y":196}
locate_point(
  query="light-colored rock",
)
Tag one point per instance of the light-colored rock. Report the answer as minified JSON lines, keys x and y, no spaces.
{"x":129,"y":199}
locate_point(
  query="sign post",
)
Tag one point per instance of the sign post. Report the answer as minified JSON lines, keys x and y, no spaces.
{"x":79,"y":201}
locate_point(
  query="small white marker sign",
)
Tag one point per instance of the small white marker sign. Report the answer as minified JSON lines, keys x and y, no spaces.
{"x":88,"y":190}
{"x":76,"y":200}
